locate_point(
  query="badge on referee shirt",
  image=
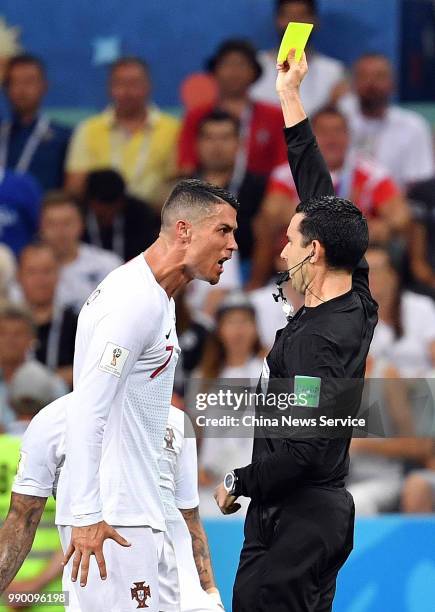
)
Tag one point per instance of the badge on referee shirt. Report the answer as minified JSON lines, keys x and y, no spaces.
{"x":113,"y":359}
{"x":307,"y":390}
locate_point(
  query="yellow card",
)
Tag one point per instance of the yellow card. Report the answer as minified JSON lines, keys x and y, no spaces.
{"x":295,"y":37}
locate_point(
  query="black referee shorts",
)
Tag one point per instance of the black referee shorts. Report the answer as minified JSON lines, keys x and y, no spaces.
{"x":292,"y":554}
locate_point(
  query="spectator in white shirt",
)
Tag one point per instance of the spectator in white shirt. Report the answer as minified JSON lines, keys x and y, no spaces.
{"x":232,"y":351}
{"x":326,"y":80}
{"x":405,"y":334}
{"x":399,"y":139}
{"x":82,"y":266}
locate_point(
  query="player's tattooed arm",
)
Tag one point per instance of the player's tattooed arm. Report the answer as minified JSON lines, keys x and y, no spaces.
{"x":201,"y":551}
{"x":17,"y":534}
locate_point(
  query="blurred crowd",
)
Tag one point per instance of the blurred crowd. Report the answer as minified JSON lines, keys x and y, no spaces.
{"x":75,"y":204}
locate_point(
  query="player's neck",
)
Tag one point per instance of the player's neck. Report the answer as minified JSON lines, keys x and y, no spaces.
{"x":327,"y":286}
{"x":166,"y":262}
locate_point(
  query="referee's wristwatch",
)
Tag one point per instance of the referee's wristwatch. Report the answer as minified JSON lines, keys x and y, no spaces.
{"x":230,"y":483}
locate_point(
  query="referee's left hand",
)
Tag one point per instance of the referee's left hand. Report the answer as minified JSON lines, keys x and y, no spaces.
{"x":225,"y":501}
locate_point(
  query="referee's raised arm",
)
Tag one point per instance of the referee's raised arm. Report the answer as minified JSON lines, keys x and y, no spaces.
{"x":308,"y":167}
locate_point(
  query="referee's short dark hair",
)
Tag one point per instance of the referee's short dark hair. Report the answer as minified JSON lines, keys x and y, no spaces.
{"x":195,"y":199}
{"x":310,"y":4}
{"x":339,"y":226}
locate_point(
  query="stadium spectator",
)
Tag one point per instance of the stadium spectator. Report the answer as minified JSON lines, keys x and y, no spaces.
{"x":30,"y":141}
{"x":378,"y":466}
{"x":235,"y":68}
{"x":233,"y":351}
{"x":7,"y":272}
{"x":355,"y":177}
{"x":114,"y":220}
{"x":326,"y":80}
{"x":17,"y":343}
{"x":20,"y":201}
{"x":32,"y":387}
{"x":82,"y":266}
{"x":218,"y":141}
{"x":405,"y":334}
{"x":133,"y":136}
{"x":399,"y":139}
{"x":421,"y":244}
{"x":38,"y":274}
{"x":418,"y":493}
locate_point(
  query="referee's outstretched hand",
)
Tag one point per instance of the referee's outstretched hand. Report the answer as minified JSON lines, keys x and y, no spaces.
{"x":87,"y":541}
{"x":291,"y":73}
{"x":225,"y":501}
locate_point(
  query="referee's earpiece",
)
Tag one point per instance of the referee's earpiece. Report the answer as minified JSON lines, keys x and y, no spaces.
{"x":312,"y":254}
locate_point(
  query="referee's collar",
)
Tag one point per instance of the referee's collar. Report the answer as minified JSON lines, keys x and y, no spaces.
{"x":328,"y":305}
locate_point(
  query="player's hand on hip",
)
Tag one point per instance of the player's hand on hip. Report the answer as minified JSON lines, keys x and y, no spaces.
{"x":225,"y":501}
{"x":87,"y":541}
{"x":291,"y":73}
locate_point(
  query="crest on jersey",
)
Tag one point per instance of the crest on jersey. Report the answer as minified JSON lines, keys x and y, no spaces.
{"x":169,"y":438}
{"x":113,"y":359}
{"x":140,"y":593}
{"x":116,"y":355}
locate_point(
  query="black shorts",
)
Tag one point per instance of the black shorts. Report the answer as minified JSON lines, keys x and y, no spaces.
{"x":292,"y":554}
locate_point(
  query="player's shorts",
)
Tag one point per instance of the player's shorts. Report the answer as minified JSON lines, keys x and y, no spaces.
{"x":132,"y":575}
{"x":192,"y":597}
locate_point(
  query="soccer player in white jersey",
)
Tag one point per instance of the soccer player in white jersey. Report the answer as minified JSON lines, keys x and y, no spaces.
{"x":125,"y":356}
{"x":41,"y":461}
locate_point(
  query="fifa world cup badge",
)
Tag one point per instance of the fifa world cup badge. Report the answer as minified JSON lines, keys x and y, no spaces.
{"x":116,"y":355}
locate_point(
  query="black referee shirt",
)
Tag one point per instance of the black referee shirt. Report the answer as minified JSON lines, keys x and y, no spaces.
{"x":329,"y":341}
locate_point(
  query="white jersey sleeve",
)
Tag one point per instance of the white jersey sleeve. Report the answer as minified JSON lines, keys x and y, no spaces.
{"x":115,"y":337}
{"x":42,"y":451}
{"x":186,"y":476}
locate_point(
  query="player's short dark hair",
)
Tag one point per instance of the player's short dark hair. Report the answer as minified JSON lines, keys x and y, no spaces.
{"x":194,"y":195}
{"x":311,"y":4}
{"x":339,"y":226}
{"x":129,"y":60}
{"x":23,"y":59}
{"x":329,"y":110}
{"x":13,"y":312}
{"x":219,"y":116}
{"x":106,"y":185}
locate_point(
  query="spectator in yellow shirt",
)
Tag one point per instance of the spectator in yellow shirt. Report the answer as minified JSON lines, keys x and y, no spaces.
{"x":132,"y":136}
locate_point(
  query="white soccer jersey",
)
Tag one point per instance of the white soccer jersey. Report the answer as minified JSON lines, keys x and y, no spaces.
{"x":42,"y":451}
{"x":125,"y":356}
{"x":179,"y":489}
{"x":178,"y":467}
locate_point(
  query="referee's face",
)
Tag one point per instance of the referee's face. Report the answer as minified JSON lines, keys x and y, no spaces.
{"x":294,"y":254}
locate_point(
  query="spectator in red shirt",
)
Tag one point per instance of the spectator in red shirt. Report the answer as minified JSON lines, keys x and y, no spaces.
{"x":262,"y":146}
{"x":359,"y":179}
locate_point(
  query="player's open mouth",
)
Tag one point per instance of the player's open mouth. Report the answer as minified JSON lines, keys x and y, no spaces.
{"x":221,"y":263}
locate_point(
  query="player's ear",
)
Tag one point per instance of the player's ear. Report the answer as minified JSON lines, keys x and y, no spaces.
{"x":183,"y":230}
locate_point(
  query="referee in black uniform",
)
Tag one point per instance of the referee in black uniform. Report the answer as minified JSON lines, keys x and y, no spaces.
{"x":299,"y":526}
